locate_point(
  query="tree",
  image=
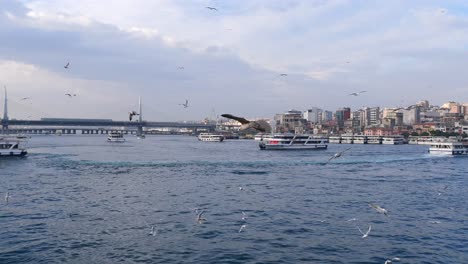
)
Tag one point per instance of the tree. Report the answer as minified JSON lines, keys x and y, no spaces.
{"x":414,"y":134}
{"x":424,"y":134}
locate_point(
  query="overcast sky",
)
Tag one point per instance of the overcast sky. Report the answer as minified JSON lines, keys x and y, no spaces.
{"x":400,"y":52}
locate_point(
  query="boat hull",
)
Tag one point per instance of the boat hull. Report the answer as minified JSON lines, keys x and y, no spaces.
{"x":292,"y":147}
{"x":13,"y":153}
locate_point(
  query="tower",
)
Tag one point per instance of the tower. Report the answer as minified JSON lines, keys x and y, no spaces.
{"x":5,"y":112}
{"x":140,"y":120}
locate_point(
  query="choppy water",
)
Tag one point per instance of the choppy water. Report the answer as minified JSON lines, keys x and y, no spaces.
{"x":82,"y":200}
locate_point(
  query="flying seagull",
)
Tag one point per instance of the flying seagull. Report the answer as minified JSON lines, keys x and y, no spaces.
{"x":180,"y":68}
{"x":152,"y":232}
{"x":244,"y":216}
{"x":212,"y":8}
{"x":25,"y":98}
{"x":67,"y":65}
{"x":357,"y":93}
{"x":260,"y":125}
{"x":131,"y":114}
{"x":379,"y":209}
{"x":389,"y":261}
{"x":337,"y":155}
{"x":70,"y":95}
{"x":283,"y":74}
{"x":364,"y":235}
{"x":242,"y":228}
{"x":199,"y":218}
{"x":186,"y":104}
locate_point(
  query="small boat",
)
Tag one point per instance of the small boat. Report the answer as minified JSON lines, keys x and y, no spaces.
{"x":210,"y":137}
{"x":449,"y":148}
{"x":292,"y":142}
{"x":115,"y":137}
{"x":13,"y":146}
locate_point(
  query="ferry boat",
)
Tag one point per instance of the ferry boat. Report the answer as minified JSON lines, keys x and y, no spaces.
{"x":335,"y":139}
{"x":292,"y":142}
{"x":13,"y":146}
{"x":115,"y":137}
{"x":360,"y":139}
{"x":449,"y":148}
{"x":259,"y":136}
{"x":210,"y":137}
{"x":347,"y":139}
{"x":374,"y":140}
{"x":393,"y":140}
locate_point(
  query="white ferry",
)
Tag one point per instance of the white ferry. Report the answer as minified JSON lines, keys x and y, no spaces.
{"x":449,"y":148}
{"x":393,"y":140}
{"x":335,"y":139}
{"x":291,"y":142}
{"x":209,"y":137}
{"x":347,"y":139}
{"x":13,"y":146}
{"x":374,"y":140}
{"x":259,"y":136}
{"x":360,"y":139}
{"x":115,"y":137}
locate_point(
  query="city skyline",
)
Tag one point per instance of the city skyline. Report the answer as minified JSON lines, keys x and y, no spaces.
{"x":228,"y":61}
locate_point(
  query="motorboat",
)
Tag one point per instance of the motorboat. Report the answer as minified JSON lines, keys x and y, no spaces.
{"x":449,"y":148}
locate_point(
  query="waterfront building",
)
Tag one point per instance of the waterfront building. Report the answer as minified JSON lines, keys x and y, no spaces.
{"x":290,"y":121}
{"x":411,"y":116}
{"x":327,"y":116}
{"x":313,"y":115}
{"x":342,"y":115}
{"x":372,"y":116}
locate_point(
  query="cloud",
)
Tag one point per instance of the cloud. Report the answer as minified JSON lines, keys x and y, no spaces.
{"x":231,"y":57}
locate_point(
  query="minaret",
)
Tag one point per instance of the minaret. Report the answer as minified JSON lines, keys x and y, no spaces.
{"x":140,"y":119}
{"x":140,"y":114}
{"x":5,"y":112}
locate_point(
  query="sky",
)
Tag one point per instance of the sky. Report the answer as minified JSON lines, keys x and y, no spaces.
{"x":229,"y":60}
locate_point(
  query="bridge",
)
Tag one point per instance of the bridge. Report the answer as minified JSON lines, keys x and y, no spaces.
{"x":98,"y":126}
{"x":94,"y":126}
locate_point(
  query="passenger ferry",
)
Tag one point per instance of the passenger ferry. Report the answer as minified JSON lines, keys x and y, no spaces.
{"x":360,"y":139}
{"x":347,"y":139}
{"x":292,"y":142}
{"x":13,"y":145}
{"x":374,"y":140}
{"x":210,"y":137}
{"x":334,"y":139}
{"x":259,"y":136}
{"x":115,"y":137}
{"x":393,"y":140}
{"x":449,"y":148}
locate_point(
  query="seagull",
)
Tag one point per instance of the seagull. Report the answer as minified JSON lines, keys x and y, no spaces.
{"x":67,"y":65}
{"x":153,"y":232}
{"x":337,"y":155}
{"x":131,"y":114}
{"x":352,"y":219}
{"x":283,"y":74}
{"x":364,"y":235}
{"x":241,"y":189}
{"x":7,"y":197}
{"x":389,"y":261}
{"x":25,"y":98}
{"x":212,"y":8}
{"x":242,"y":228}
{"x":70,"y":95}
{"x":260,"y":125}
{"x":244,"y":216}
{"x":357,"y":93}
{"x":199,"y":217}
{"x":435,"y":222}
{"x":379,"y":209}
{"x":186,"y":104}
{"x":180,"y":68}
